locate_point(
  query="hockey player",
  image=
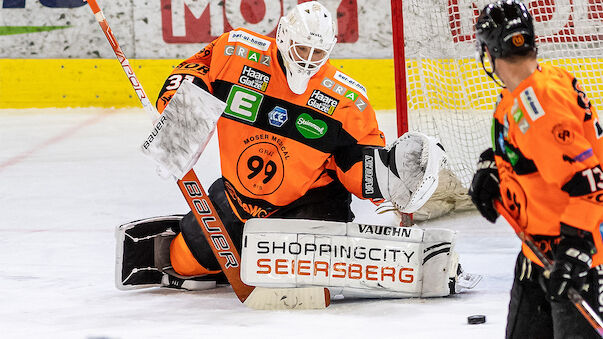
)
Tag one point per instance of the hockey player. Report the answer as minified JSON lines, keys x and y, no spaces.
{"x":293,"y":137}
{"x":544,"y":165}
{"x":296,"y":139}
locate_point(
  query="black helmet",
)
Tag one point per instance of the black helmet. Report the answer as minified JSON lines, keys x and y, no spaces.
{"x":506,"y":28}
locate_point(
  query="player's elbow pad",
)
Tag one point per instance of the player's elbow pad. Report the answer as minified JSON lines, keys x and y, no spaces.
{"x":405,"y":173}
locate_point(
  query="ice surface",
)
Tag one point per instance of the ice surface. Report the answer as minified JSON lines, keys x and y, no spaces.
{"x":68,"y":177}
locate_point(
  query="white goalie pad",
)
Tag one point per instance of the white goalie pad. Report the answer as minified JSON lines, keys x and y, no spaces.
{"x":183,"y":129}
{"x":352,"y":260}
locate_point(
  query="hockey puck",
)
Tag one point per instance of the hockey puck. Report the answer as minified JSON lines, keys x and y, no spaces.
{"x":476,"y":319}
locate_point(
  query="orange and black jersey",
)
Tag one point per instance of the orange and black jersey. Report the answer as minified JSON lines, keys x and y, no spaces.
{"x":548,"y":147}
{"x":275,"y":145}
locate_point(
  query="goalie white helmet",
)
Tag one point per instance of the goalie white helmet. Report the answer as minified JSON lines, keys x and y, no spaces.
{"x":305,"y":38}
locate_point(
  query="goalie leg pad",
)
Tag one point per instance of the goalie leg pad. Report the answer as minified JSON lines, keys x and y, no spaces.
{"x":135,"y":253}
{"x":438,"y":261}
{"x":352,"y":260}
{"x":142,"y":256}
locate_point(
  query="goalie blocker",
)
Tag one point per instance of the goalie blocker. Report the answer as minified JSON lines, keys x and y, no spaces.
{"x":352,"y":260}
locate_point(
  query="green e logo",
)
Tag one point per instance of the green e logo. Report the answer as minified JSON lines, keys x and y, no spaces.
{"x":243,"y":103}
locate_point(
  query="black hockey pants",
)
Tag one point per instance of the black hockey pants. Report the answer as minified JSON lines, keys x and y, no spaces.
{"x":533,"y":316}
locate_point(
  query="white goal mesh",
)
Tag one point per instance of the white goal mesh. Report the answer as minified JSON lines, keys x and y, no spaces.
{"x":450,"y":97}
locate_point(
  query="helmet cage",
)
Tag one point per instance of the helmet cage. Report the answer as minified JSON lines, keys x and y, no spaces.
{"x":306,"y":62}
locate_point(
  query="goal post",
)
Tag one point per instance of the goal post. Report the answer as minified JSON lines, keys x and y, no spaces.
{"x":442,"y":90}
{"x":399,"y":66}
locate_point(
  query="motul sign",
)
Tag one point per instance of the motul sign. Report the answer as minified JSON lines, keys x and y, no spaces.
{"x":195,"y":21}
{"x":551,"y":23}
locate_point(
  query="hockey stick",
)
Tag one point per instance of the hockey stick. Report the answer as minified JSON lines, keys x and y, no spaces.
{"x":581,"y":305}
{"x":209,"y":221}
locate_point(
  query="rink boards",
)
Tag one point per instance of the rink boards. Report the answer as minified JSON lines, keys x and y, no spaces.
{"x":433,"y":83}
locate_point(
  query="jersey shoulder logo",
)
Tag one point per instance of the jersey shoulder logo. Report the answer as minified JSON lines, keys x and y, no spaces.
{"x":254,"y":78}
{"x":345,"y":92}
{"x":563,"y":134}
{"x":322,"y":102}
{"x":246,"y":53}
{"x":350,"y":82}
{"x":519,"y":118}
{"x":531,"y":103}
{"x":249,"y":40}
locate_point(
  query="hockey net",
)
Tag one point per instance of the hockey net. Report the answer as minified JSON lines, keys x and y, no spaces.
{"x":451,"y":98}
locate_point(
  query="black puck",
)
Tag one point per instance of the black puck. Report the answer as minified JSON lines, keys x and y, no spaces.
{"x":476,"y":319}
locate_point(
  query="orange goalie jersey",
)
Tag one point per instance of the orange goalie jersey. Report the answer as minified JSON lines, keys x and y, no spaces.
{"x":548,"y":148}
{"x":276,"y":145}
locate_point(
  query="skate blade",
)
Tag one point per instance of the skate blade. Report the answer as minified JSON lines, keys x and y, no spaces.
{"x":468,"y":280}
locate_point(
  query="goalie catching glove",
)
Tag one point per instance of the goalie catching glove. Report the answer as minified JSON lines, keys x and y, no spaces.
{"x":405,"y":173}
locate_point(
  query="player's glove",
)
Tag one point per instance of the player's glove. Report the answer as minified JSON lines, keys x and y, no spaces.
{"x":573,"y":258}
{"x":485,"y":186}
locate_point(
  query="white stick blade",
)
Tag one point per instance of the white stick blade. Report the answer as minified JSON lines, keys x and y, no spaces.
{"x":301,"y":298}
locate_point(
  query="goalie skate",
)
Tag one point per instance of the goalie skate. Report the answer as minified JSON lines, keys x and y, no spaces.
{"x":461,"y":280}
{"x":142,"y":256}
{"x":466,"y":281}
